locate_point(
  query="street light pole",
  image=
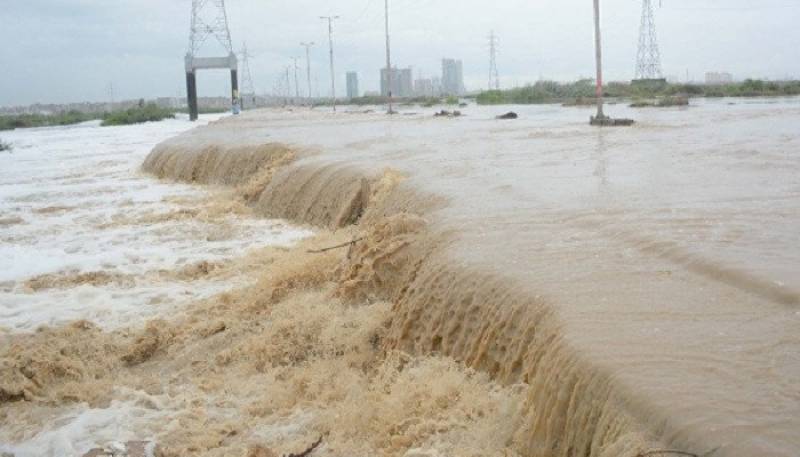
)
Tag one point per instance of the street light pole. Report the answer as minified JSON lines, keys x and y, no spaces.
{"x":388,"y":60}
{"x":308,"y":66}
{"x":599,"y":60}
{"x":330,"y":40}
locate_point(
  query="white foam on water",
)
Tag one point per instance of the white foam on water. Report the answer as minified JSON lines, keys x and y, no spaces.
{"x":62,"y":192}
{"x":75,"y":432}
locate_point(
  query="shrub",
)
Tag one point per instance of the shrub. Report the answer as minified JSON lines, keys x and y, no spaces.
{"x":143,"y":113}
{"x":23,"y":121}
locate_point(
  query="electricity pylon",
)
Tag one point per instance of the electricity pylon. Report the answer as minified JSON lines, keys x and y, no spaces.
{"x":209,"y":18}
{"x":494,"y":75}
{"x":308,"y":66}
{"x":648,"y":60}
{"x":248,"y":88}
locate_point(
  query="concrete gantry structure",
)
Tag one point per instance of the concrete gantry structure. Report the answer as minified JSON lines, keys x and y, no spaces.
{"x":201,"y":29}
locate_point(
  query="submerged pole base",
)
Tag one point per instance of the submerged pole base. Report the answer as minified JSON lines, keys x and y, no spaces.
{"x":605,"y":121}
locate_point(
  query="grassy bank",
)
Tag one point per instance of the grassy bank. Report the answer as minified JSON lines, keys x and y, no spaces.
{"x":23,"y":121}
{"x":568,"y":93}
{"x":140,"y":114}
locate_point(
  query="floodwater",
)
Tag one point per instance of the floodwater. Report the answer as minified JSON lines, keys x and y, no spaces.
{"x":669,"y":250}
{"x":72,"y":203}
{"x":85,"y":236}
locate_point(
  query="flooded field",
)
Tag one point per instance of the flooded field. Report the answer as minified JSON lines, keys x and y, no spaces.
{"x":532,"y":287}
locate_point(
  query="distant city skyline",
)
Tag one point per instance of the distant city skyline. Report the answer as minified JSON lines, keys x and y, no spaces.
{"x":67,"y":51}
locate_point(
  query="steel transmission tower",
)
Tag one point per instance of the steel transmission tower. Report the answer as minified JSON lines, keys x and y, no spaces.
{"x":308,"y":66}
{"x":296,"y":80}
{"x":209,"y":19}
{"x":248,"y":88}
{"x":648,"y":60}
{"x":494,"y":75}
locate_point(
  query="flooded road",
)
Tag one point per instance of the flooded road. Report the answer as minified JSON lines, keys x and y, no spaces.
{"x":669,"y":251}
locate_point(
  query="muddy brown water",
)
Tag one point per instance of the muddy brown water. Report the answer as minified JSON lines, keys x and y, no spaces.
{"x":660,"y":263}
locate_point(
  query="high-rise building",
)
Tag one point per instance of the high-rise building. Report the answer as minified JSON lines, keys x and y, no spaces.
{"x":423,"y":88}
{"x":352,"y":85}
{"x":401,"y":83}
{"x":452,"y":77}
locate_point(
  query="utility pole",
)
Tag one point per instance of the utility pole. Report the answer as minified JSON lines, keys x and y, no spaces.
{"x":288,"y":85}
{"x":308,"y":67}
{"x":601,"y":119}
{"x":330,"y":20}
{"x":111,"y":97}
{"x":494,"y":75}
{"x":388,"y":60}
{"x":296,"y":84}
{"x":598,"y":61}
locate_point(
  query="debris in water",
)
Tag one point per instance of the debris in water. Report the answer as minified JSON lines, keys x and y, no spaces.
{"x":445,"y":113}
{"x":508,"y":115}
{"x":605,"y":121}
{"x":338,"y":246}
{"x":117,"y":449}
{"x":671,"y":452}
{"x":308,"y":451}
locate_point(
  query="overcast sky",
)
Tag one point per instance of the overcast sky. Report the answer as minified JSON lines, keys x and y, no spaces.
{"x":71,"y":50}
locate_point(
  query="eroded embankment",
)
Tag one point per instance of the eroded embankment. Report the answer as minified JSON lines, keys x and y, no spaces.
{"x":570,"y":407}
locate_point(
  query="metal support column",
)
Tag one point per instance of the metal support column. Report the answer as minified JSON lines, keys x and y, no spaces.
{"x":191,"y":95}
{"x":235,"y":100}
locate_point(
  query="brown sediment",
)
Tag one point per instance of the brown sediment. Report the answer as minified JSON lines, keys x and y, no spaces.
{"x":482,"y":320}
{"x":69,"y":279}
{"x":57,"y":365}
{"x":65,"y":280}
{"x":53,"y":209}
{"x":8,"y":221}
